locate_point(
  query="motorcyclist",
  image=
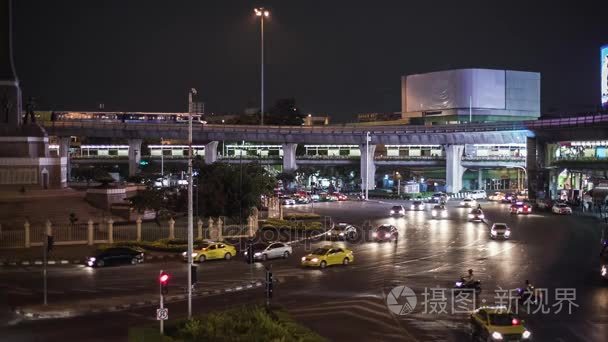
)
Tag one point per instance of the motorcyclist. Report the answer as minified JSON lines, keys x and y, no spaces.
{"x":468,"y":279}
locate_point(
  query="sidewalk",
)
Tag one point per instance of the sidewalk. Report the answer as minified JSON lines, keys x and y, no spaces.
{"x":95,"y":306}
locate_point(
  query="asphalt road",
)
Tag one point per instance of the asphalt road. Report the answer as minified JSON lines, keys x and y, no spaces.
{"x":349,"y":303}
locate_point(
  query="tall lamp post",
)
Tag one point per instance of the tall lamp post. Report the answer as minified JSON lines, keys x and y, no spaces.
{"x":367,"y":140}
{"x":262,"y":13}
{"x":190,"y":218}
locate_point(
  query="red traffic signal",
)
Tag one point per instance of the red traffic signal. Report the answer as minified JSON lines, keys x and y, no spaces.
{"x":164,"y":283}
{"x":164,"y":278}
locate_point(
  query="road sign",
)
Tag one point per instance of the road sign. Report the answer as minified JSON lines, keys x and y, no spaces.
{"x":162,"y":314}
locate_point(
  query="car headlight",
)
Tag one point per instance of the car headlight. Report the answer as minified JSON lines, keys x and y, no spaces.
{"x":194,"y":255}
{"x":392,"y":211}
{"x":461,"y":203}
{"x":481,"y":216}
{"x":341,"y":234}
{"x":444,"y":214}
{"x":315,"y":260}
{"x":496,"y":335}
{"x":526,"y":334}
{"x":604,"y":271}
{"x":412,"y":207}
{"x":185,"y":254}
{"x":92,"y":259}
{"x":458,"y":284}
{"x":374,"y":234}
{"x":421,"y":206}
{"x":493,"y":232}
{"x":508,"y":233}
{"x":401,"y":212}
{"x":471,"y":215}
{"x":303,"y":258}
{"x":434,"y":212}
{"x":257,"y":254}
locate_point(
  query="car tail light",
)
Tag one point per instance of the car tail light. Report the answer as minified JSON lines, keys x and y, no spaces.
{"x":515,"y":321}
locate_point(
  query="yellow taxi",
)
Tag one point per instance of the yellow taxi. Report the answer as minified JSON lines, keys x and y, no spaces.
{"x":328,"y":255}
{"x":497,"y":323}
{"x":211,"y":250}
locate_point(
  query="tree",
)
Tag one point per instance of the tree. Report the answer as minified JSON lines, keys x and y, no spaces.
{"x":151,"y":199}
{"x":284,"y":113}
{"x":286,"y":178}
{"x":232,"y":190}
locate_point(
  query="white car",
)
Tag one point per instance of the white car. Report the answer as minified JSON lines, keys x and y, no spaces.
{"x":500,"y":231}
{"x":468,"y":203}
{"x":265,"y":251}
{"x":479,"y":194}
{"x":561,"y":208}
{"x":496,"y":196}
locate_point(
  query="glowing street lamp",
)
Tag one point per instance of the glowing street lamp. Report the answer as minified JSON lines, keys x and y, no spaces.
{"x":262,"y":13}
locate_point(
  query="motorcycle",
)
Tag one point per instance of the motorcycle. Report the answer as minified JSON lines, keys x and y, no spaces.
{"x":462,"y":284}
{"x":528,"y":295}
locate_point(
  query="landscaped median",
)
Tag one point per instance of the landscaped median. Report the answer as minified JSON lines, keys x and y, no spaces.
{"x":120,"y":303}
{"x":247,"y":323}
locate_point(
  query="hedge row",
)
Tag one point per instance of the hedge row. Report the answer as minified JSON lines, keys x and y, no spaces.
{"x":291,"y":225}
{"x":248,"y":323}
{"x":301,"y":216}
{"x":163,"y":245}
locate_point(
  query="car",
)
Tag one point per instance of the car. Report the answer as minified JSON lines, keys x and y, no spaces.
{"x":286,"y":200}
{"x":476,"y":215}
{"x":343,"y":231}
{"x":385,"y":232}
{"x":496,"y":196}
{"x":417,"y":205}
{"x":116,"y":256}
{"x":303,"y":200}
{"x":468,"y":203}
{"x":561,"y":208}
{"x":265,"y":251}
{"x":509,"y":197}
{"x":327,"y":256}
{"x":439,"y":211}
{"x":397,"y":210}
{"x":521,"y":208}
{"x":340,"y":197}
{"x":439,"y":197}
{"x":211,"y":250}
{"x":500,"y":231}
{"x":604,"y":261}
{"x":479,"y":194}
{"x":497,"y":323}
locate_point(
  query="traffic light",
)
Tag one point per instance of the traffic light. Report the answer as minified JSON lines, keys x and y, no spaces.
{"x":269,"y":284}
{"x":50,"y":241}
{"x":164,"y":283}
{"x":194,"y":274}
{"x":250,"y":251}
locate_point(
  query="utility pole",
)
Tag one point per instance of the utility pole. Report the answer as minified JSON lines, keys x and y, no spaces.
{"x":162,"y":164}
{"x":190,"y":218}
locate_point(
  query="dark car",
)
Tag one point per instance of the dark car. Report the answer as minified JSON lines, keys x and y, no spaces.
{"x":116,"y":256}
{"x":343,"y":231}
{"x":397,"y":210}
{"x":521,"y":208}
{"x":509,"y":198}
{"x":385,"y":232}
{"x":476,"y":215}
{"x":417,"y":205}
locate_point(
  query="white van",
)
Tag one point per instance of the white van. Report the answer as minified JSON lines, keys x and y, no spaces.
{"x":478,"y":194}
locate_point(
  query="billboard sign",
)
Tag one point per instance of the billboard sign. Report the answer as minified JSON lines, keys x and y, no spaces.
{"x":604,"y":77}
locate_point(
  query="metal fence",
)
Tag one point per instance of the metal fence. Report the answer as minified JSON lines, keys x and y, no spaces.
{"x":12,"y":238}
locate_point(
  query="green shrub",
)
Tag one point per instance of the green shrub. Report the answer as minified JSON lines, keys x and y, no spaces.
{"x":250,"y":323}
{"x":291,"y":225}
{"x":301,"y":216}
{"x":163,"y":245}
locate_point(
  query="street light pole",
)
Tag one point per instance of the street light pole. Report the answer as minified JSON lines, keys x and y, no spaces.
{"x":162,"y":164}
{"x":190,"y":218}
{"x":261,"y":12}
{"x":367,"y":139}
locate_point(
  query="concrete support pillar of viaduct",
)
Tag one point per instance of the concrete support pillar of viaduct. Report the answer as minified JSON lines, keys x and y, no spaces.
{"x":454,"y":170}
{"x":64,"y":151}
{"x":211,"y":152}
{"x":289,"y":157}
{"x":134,"y":156}
{"x":480,"y":184}
{"x":371,"y":180}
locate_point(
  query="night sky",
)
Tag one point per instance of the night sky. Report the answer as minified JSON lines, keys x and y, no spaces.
{"x":335,"y":57}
